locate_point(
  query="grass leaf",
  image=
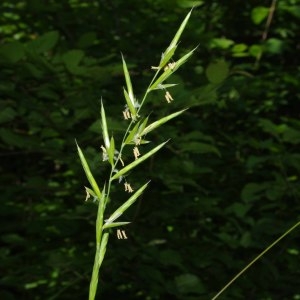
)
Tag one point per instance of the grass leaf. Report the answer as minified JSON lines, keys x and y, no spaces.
{"x":167,"y":55}
{"x":88,"y":173}
{"x":169,"y":71}
{"x":137,"y":161}
{"x":183,"y":59}
{"x":118,"y":212}
{"x":160,"y":122}
{"x":179,"y":31}
{"x":115,"y":224}
{"x":104,"y":127}
{"x":130,"y":103}
{"x":111,"y":151}
{"x":132,"y":133}
{"x":128,"y":81}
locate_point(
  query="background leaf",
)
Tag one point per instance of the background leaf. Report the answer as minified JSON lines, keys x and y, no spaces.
{"x":217,"y":71}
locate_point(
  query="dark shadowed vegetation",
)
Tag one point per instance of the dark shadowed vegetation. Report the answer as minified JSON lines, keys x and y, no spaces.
{"x":224,"y":188}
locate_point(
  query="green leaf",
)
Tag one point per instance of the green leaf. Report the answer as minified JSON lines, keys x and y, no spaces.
{"x":104,"y":128}
{"x":167,"y":55}
{"x":183,"y":59}
{"x":253,"y":191}
{"x":143,"y":125}
{"x":221,"y":43}
{"x":111,"y":151}
{"x":169,"y":71}
{"x":127,"y":77}
{"x":115,"y":224}
{"x":136,"y":132}
{"x":259,"y":13}
{"x":132,"y":133}
{"x":269,"y":127}
{"x":255,"y":50}
{"x":217,"y":71}
{"x":87,"y":39}
{"x":237,"y":48}
{"x":160,"y":79}
{"x":24,"y":141}
{"x":189,"y":283}
{"x":137,"y":161}
{"x":161,"y":122}
{"x":294,"y":10}
{"x":72,"y":59}
{"x":101,"y":208}
{"x":103,"y":247}
{"x":165,"y":86}
{"x":274,"y":46}
{"x":88,"y":173}
{"x":189,"y":3}
{"x":12,"y":52}
{"x":44,"y":42}
{"x":130,"y":103}
{"x":128,"y":81}
{"x":7,"y":114}
{"x":291,"y":135}
{"x":118,"y":212}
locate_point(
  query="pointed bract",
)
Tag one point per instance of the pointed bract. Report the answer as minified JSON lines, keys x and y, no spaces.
{"x":88,"y":173}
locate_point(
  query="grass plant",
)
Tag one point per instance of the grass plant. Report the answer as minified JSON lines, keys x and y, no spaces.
{"x":134,"y":136}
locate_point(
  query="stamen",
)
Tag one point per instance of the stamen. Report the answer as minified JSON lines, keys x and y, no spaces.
{"x":136,"y":152}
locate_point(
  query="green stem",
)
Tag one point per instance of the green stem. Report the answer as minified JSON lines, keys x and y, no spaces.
{"x":254,"y":260}
{"x":101,"y":242}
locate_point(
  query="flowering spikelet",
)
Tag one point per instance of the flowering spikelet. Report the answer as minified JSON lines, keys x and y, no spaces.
{"x":104,"y":154}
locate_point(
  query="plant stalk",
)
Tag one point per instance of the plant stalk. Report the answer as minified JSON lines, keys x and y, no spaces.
{"x":255,"y":259}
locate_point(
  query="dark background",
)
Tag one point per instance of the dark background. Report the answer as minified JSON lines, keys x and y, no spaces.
{"x":223,"y":189}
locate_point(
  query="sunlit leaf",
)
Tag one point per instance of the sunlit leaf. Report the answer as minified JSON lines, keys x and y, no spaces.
{"x":167,"y":73}
{"x":167,"y":55}
{"x":128,"y":80}
{"x":104,"y":127}
{"x":115,"y":224}
{"x":217,"y":71}
{"x":129,"y":102}
{"x":161,"y":121}
{"x":118,"y":212}
{"x":137,"y":161}
{"x":111,"y":151}
{"x":259,"y":13}
{"x":88,"y":173}
{"x":132,"y":133}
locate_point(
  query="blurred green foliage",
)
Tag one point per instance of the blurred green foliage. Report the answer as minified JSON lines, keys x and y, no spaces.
{"x":223,"y":189}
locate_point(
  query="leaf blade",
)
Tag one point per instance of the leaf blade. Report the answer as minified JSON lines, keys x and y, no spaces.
{"x":104,"y":127}
{"x":88,"y":173}
{"x":167,"y":55}
{"x":115,"y":224}
{"x":137,"y":161}
{"x":161,"y":121}
{"x":169,"y":71}
{"x":127,"y":79}
{"x":119,"y":211}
